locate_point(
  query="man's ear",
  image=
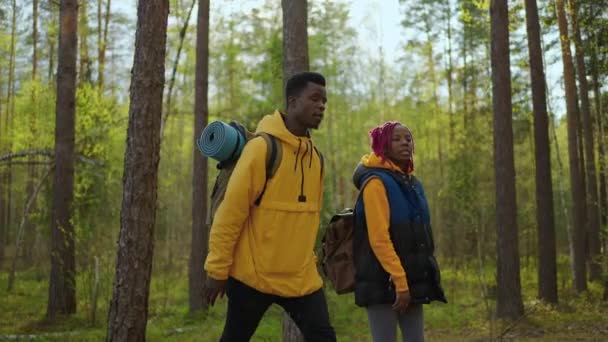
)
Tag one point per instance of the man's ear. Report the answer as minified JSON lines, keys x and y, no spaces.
{"x":290,"y":101}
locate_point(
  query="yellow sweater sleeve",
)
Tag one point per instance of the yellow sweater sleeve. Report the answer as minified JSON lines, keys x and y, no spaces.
{"x":377,"y":217}
{"x":244,"y":186}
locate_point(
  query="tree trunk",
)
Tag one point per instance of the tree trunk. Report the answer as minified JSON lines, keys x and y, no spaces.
{"x":601,"y":141}
{"x":576,"y":181}
{"x":6,"y":175}
{"x":128,"y":313}
{"x":102,"y":40}
{"x":30,"y":227}
{"x":449,"y":72}
{"x":200,"y":231}
{"x":593,"y":216}
{"x":547,"y":264}
{"x":34,"y":39}
{"x":84,"y":72}
{"x":10,"y":89}
{"x":62,"y":285}
{"x":51,"y":61}
{"x":3,"y":227}
{"x":509,"y":302}
{"x":295,"y":37}
{"x":295,"y":59}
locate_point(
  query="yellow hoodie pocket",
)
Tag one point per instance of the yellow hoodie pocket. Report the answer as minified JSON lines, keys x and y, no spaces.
{"x":285,"y":241}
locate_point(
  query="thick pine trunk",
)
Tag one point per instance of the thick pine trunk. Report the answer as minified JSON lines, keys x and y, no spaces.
{"x":547,"y":265}
{"x":62,"y":285}
{"x":129,"y":306}
{"x":509,"y":302}
{"x":577,"y":248}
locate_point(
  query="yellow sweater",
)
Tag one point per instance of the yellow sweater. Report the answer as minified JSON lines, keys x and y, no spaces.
{"x":377,"y":216}
{"x":270,"y":247}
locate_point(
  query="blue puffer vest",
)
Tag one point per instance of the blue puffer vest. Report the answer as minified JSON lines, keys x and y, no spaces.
{"x":412,"y":238}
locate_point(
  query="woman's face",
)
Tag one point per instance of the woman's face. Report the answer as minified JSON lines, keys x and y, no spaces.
{"x":401,"y":145}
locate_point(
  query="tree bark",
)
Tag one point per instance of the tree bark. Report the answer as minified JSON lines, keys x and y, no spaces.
{"x":295,"y":59}
{"x":547,"y":264}
{"x":577,"y":249}
{"x":200,"y":231}
{"x":295,"y":37}
{"x":593,"y":216}
{"x":128,"y":313}
{"x":509,"y":302}
{"x":62,"y":285}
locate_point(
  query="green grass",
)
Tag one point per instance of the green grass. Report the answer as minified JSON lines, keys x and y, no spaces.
{"x":467,"y":317}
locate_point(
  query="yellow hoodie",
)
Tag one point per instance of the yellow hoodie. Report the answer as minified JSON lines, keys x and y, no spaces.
{"x":377,"y":218}
{"x":270,"y":247}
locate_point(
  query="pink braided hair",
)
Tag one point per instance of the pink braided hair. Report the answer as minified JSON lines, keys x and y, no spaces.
{"x":381,"y":137}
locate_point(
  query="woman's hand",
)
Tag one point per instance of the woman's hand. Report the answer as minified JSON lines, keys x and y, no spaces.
{"x":402,"y":300}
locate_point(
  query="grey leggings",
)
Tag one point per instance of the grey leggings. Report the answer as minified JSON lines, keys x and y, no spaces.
{"x":383,"y":323}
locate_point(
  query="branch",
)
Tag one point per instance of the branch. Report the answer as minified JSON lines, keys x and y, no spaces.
{"x":182,"y":35}
{"x":7,"y":158}
{"x":25,"y":153}
{"x":13,"y":163}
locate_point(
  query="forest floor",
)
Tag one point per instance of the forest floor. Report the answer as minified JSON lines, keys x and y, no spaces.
{"x":467,"y":317}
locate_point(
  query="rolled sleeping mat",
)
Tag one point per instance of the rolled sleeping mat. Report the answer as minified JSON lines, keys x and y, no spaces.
{"x":221,"y":141}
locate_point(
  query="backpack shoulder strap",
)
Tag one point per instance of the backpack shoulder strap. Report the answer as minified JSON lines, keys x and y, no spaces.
{"x":274,"y":153}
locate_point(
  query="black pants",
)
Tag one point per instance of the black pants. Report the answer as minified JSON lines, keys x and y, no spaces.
{"x":246,"y":306}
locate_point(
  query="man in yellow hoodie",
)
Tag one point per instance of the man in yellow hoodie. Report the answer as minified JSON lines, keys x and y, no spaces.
{"x":260,"y":254}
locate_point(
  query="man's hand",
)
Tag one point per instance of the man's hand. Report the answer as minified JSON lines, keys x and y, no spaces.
{"x":402,"y":301}
{"x":213,"y":289}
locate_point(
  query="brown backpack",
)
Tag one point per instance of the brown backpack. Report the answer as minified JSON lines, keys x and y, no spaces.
{"x":337,"y":252}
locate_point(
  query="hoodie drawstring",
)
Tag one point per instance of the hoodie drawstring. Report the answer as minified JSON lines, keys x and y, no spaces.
{"x":310,"y":160}
{"x":295,"y":165}
{"x":302,"y":197}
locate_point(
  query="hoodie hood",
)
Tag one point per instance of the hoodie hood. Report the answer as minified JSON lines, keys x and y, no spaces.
{"x":369,"y":162}
{"x":274,"y":124}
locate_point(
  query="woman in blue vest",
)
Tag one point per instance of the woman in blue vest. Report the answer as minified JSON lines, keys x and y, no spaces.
{"x":396,"y":271}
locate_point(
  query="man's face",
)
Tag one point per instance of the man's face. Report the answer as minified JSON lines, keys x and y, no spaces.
{"x":309,"y":106}
{"x":401,"y":145}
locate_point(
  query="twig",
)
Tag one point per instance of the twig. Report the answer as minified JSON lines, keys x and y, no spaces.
{"x":182,"y":35}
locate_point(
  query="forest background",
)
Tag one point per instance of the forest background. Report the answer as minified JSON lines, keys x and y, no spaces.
{"x":521,"y":240}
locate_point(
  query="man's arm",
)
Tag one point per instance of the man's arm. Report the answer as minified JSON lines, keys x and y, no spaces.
{"x":244,"y":186}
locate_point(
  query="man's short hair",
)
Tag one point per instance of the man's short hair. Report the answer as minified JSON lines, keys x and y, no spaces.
{"x":297,"y":82}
